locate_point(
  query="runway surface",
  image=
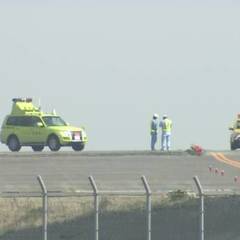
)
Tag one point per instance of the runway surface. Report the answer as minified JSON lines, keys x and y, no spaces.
{"x":69,"y":171}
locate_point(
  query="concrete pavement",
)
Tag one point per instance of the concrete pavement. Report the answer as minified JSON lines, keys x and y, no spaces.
{"x":120,"y":170}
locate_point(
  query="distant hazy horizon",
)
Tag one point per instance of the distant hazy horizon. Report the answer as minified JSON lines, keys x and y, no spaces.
{"x":109,"y":66}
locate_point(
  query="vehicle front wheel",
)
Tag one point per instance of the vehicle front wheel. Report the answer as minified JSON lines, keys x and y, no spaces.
{"x":14,"y":144}
{"x":77,"y":146}
{"x":37,"y":148}
{"x":53,"y":143}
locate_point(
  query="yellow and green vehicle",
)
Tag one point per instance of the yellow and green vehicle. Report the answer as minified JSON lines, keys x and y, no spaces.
{"x":235,"y":135}
{"x":27,"y":125}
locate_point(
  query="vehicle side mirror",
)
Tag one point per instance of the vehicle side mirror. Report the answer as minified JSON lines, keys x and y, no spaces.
{"x":231,"y":128}
{"x":40,"y":124}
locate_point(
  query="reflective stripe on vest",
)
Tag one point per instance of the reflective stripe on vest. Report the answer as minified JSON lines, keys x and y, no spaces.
{"x":153,"y":131}
{"x":154,"y":127}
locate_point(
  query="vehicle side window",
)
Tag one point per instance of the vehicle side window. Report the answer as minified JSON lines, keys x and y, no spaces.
{"x":25,"y":121}
{"x":35,"y":121}
{"x":30,"y":121}
{"x":12,"y":121}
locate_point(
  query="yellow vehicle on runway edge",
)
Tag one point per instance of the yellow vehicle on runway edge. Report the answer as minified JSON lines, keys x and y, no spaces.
{"x":27,"y":125}
{"x":235,"y":136}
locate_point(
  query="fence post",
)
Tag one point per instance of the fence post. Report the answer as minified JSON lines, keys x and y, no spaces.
{"x":45,"y":206}
{"x":201,"y":194}
{"x":96,"y":205}
{"x":148,"y":206}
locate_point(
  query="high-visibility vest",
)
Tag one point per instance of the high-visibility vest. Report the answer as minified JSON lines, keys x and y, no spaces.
{"x":167,"y":125}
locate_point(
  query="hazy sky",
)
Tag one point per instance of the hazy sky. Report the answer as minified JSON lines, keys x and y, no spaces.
{"x":110,"y":66}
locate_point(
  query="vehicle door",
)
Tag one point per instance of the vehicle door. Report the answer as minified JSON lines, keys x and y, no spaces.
{"x":24,"y":131}
{"x":39,"y":134}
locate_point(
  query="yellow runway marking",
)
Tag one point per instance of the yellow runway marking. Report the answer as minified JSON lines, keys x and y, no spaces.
{"x":222,"y":158}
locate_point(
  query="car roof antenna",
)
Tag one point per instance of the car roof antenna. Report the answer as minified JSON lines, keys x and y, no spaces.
{"x":39,"y":104}
{"x":54,"y":112}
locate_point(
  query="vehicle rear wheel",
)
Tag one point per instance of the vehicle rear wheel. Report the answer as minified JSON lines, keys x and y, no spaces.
{"x":37,"y":148}
{"x":53,"y":143}
{"x":77,"y":146}
{"x":14,"y":144}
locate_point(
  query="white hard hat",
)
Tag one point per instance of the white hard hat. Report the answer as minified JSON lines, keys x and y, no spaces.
{"x":155,"y":115}
{"x":165,"y":116}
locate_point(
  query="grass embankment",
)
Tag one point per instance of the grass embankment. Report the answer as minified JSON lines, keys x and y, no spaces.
{"x":174,"y":217}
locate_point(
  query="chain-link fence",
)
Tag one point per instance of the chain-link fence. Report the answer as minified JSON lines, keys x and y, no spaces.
{"x":222,"y":215}
{"x":115,"y":215}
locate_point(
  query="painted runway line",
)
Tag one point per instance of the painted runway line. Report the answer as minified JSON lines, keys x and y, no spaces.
{"x":222,"y":158}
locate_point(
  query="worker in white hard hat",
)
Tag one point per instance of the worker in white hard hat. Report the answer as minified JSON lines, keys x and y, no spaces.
{"x":166,"y":126}
{"x":154,"y":131}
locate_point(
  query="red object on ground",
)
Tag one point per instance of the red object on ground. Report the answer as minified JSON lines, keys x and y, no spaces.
{"x":197,"y":149}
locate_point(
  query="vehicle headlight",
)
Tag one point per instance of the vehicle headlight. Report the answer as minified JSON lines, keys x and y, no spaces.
{"x":67,"y":134}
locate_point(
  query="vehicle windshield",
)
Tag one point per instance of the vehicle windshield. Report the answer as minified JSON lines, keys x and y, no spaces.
{"x":54,"y":121}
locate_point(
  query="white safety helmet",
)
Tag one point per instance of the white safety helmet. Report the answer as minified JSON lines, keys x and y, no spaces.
{"x":155,"y":115}
{"x":165,"y":116}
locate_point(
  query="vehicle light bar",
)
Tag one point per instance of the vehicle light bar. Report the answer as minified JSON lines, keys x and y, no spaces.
{"x":22,"y":100}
